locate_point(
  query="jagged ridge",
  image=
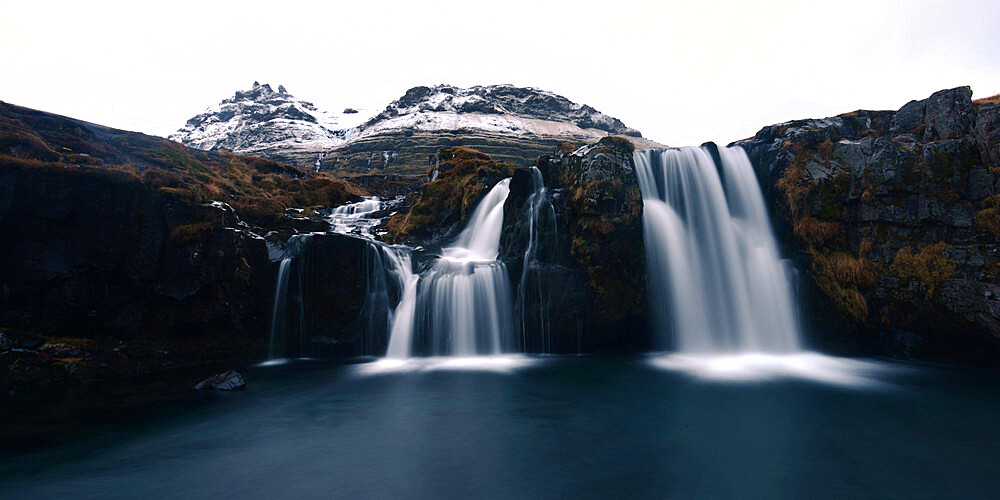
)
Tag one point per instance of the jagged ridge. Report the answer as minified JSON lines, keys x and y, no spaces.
{"x":270,"y":123}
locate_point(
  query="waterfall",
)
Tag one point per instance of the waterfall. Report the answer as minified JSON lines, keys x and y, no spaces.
{"x":531,"y":296}
{"x":402,"y":317}
{"x":711,"y":253}
{"x":280,"y":301}
{"x":366,"y":206}
{"x":356,"y":218}
{"x":462,"y":304}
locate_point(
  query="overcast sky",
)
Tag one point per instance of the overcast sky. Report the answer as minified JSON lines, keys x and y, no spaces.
{"x":680,"y":72}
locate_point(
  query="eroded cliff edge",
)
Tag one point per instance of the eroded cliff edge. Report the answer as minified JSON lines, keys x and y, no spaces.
{"x":892,"y":216}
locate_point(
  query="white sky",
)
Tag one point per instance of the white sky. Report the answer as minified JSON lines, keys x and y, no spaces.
{"x":680,"y":72}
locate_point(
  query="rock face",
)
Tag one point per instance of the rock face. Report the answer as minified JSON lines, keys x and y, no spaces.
{"x":339,"y":298}
{"x":591,"y":270}
{"x":511,"y":124}
{"x":437,"y":213}
{"x":117,"y":257}
{"x":272,"y":124}
{"x":893,"y":218}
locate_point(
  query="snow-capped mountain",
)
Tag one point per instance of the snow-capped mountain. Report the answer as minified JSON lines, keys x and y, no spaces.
{"x":273,"y":124}
{"x":514,"y":124}
{"x":494,"y":108}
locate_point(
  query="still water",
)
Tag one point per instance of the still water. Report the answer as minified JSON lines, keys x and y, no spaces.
{"x":657,"y":427}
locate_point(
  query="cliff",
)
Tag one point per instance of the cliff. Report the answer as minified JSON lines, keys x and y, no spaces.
{"x":126,"y":254}
{"x":893,"y":217}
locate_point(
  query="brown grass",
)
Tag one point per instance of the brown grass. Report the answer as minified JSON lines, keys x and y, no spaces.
{"x":255,"y":187}
{"x":988,"y":217}
{"x":929,"y":265}
{"x":993,"y":99}
{"x":461,"y":183}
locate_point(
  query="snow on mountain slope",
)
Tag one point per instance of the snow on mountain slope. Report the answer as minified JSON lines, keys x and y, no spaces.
{"x":261,"y":120}
{"x":513,"y":124}
{"x":493,"y":108}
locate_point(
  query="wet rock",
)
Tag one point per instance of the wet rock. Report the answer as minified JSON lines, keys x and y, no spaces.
{"x":226,"y":381}
{"x":592,"y":278}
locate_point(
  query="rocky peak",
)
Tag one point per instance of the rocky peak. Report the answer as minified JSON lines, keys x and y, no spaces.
{"x":260,"y":120}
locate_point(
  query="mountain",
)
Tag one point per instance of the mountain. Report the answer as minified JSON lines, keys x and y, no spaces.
{"x":512,"y":124}
{"x":275,"y":125}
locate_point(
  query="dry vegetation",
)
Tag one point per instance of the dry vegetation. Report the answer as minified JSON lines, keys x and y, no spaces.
{"x":465,"y":175}
{"x":929,"y":266}
{"x":986,"y":100}
{"x":258,"y":189}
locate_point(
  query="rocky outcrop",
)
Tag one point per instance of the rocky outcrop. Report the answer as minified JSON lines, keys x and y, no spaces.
{"x":339,"y":297}
{"x":229,"y":380}
{"x":442,"y":206}
{"x":113,"y":260}
{"x":593,"y":273}
{"x":892,"y":215}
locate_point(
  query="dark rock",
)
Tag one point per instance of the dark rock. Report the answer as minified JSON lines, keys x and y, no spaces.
{"x":980,"y":183}
{"x":949,"y":113}
{"x":344,"y":291}
{"x":915,"y":187}
{"x":988,"y":133}
{"x":227,"y":381}
{"x":908,"y":118}
{"x":586,"y":289}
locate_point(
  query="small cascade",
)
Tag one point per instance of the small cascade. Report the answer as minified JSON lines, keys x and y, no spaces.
{"x":280,"y":308}
{"x":355,"y":218}
{"x":712,"y":255}
{"x":462,"y":304}
{"x":401,"y":319}
{"x":531,"y":303}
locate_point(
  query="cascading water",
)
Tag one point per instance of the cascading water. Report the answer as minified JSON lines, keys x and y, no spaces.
{"x":712,"y":255}
{"x":354,"y":218}
{"x":402,"y":317}
{"x":531,"y":298}
{"x":280,"y":306}
{"x":462,"y":304}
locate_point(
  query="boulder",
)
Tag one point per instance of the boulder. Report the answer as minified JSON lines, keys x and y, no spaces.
{"x":908,"y":118}
{"x":229,"y":380}
{"x":949,"y":113}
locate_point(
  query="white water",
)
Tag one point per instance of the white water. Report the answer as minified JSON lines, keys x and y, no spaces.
{"x":480,"y":240}
{"x":367,"y":205}
{"x":357,"y":218}
{"x":462,"y":305}
{"x":401,"y":319}
{"x":540,"y":211}
{"x":711,"y":253}
{"x":278,"y":315}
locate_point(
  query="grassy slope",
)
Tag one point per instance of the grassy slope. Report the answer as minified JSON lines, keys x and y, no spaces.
{"x":258,"y":189}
